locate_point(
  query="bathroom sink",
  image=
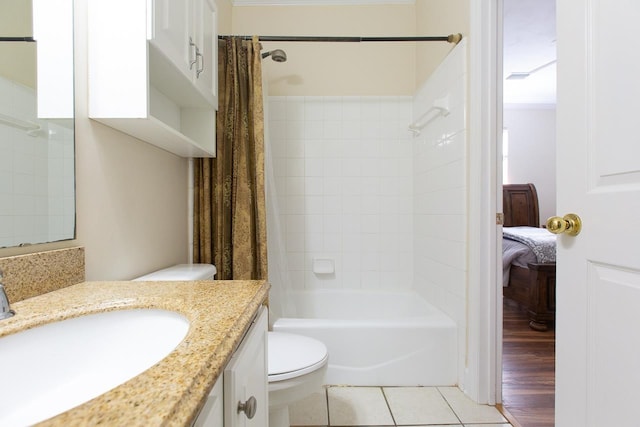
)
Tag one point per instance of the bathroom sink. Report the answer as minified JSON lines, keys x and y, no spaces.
{"x":54,"y":367}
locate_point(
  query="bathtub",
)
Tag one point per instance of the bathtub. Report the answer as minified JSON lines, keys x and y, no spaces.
{"x":377,"y":337}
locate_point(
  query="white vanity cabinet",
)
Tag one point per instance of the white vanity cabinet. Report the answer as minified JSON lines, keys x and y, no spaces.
{"x":212,"y":414}
{"x":241,"y":393}
{"x":153,"y":71}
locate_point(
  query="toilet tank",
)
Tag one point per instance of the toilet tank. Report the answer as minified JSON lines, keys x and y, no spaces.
{"x":181,"y":272}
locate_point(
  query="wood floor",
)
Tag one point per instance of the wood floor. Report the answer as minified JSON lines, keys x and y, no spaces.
{"x":528,"y":370}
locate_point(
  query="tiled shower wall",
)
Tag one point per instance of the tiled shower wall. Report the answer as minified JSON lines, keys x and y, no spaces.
{"x":440,"y":194}
{"x":354,"y":187}
{"x":343,"y":171}
{"x":440,"y":189}
{"x":36,"y":174}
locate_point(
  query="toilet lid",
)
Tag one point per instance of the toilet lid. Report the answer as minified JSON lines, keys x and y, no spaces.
{"x":293,"y":355}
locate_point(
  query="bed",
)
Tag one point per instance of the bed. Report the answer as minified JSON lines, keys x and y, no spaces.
{"x":529,"y":274}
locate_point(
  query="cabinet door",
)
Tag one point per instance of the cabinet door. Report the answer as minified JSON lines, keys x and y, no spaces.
{"x":245,"y":377}
{"x":212,"y":413}
{"x":205,"y":37}
{"x":171,"y":32}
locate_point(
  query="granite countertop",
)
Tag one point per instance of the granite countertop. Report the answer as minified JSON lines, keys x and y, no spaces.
{"x":171,"y":392}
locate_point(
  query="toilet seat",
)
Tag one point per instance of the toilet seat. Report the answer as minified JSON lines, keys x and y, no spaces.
{"x":293,"y":355}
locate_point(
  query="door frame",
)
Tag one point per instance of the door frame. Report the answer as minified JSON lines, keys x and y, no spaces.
{"x":482,"y":378}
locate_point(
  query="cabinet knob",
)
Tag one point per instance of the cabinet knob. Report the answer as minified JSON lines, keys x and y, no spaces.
{"x":249,"y":407}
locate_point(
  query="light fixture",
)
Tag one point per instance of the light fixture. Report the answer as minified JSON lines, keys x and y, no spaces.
{"x":521,"y":75}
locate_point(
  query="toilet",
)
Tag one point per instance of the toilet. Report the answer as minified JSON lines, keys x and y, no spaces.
{"x":297,"y":364}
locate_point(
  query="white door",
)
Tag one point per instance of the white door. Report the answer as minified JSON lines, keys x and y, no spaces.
{"x":598,"y":175}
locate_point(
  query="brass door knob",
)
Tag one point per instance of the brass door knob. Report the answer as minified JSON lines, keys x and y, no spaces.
{"x":570,"y":224}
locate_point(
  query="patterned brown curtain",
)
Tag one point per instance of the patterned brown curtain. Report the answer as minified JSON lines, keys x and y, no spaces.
{"x":229,"y":202}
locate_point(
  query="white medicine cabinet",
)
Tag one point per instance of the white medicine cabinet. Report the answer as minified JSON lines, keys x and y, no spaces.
{"x":153,"y":71}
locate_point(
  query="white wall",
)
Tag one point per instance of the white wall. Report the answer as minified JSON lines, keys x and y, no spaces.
{"x":131,"y":196}
{"x":343,"y":175}
{"x":532,"y":152}
{"x":354,"y":69}
{"x":131,"y":207}
{"x":440,"y":194}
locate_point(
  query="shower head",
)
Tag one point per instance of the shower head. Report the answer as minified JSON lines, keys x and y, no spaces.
{"x":278,"y":55}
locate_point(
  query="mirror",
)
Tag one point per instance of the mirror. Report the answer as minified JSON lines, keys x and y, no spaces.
{"x":37,"y":180}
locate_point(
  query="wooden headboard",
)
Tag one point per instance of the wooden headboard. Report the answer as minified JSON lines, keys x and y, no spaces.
{"x":520,"y":205}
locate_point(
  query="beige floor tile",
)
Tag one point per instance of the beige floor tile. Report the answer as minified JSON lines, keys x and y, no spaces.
{"x":487,"y":425}
{"x":468,"y":411}
{"x":419,"y":405}
{"x":358,"y":406}
{"x":311,"y":411}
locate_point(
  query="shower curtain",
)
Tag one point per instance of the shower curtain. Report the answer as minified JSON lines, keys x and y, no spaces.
{"x":229,"y":195}
{"x":280,"y":301}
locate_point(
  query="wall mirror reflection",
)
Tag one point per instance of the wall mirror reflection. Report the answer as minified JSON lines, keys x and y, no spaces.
{"x":37,"y":181}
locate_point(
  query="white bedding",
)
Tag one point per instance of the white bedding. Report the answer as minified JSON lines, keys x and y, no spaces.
{"x":524,"y":245}
{"x":514,"y":253}
{"x":541,"y":241}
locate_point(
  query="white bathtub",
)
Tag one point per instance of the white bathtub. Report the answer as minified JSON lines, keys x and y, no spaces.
{"x":377,"y":337}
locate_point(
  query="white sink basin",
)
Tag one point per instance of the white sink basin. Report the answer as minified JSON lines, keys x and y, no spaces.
{"x":55,"y":367}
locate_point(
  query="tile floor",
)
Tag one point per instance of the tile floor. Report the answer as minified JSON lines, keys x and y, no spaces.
{"x":393,"y":406}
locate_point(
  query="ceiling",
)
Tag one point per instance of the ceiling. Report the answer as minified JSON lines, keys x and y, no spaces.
{"x":529,"y":43}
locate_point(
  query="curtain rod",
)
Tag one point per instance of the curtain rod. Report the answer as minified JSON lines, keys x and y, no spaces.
{"x":17,"y":39}
{"x":451,"y":38}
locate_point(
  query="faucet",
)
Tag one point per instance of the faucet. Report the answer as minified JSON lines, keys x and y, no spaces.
{"x":5,"y":308}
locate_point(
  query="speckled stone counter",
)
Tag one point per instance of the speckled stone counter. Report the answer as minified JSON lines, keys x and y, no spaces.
{"x":29,"y":275}
{"x":171,"y":392}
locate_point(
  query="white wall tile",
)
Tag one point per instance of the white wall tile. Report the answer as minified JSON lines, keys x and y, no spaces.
{"x":314,"y":223}
{"x":313,"y":186}
{"x":338,"y":153}
{"x":332,"y":108}
{"x":295,"y":186}
{"x":294,"y":167}
{"x":313,"y":108}
{"x":332,"y":167}
{"x":297,"y":129}
{"x":313,"y":148}
{"x":332,"y":205}
{"x":314,"y":242}
{"x":352,"y":108}
{"x":294,"y":205}
{"x":313,"y":205}
{"x":295,"y":148}
{"x":352,"y":205}
{"x":313,"y":130}
{"x":277,"y":109}
{"x":295,"y":242}
{"x":440,"y":191}
{"x":332,"y":242}
{"x":295,"y":109}
{"x":314,"y":167}
{"x":294,"y":223}
{"x":332,"y":129}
